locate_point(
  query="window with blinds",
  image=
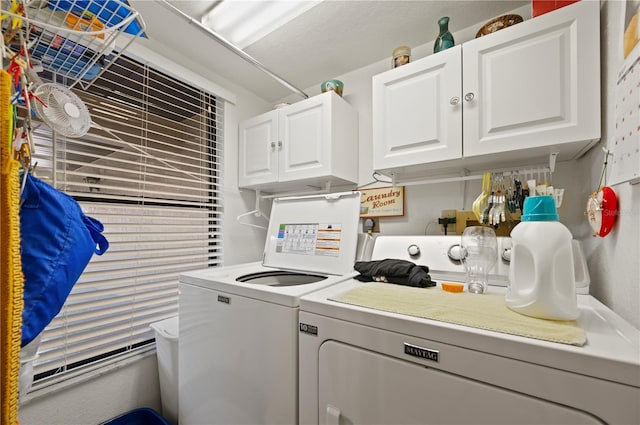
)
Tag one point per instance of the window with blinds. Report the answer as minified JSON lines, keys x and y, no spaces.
{"x":150,"y":170}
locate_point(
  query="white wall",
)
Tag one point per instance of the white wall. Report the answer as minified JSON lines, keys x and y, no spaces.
{"x":241,"y":244}
{"x":614,"y":261}
{"x":105,"y":395}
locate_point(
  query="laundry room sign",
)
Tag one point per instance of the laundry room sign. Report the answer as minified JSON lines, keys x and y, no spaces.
{"x":382,"y":202}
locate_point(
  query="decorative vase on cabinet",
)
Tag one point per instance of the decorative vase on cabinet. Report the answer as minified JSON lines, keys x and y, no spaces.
{"x":445,"y":38}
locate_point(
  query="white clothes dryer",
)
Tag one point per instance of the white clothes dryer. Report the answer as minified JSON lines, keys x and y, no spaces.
{"x":360,"y":365}
{"x":238,"y":342}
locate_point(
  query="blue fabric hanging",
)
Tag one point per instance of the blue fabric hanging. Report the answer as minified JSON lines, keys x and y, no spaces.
{"x":57,"y":242}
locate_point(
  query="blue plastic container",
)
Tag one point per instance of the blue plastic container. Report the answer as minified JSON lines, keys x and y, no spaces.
{"x":141,"y":416}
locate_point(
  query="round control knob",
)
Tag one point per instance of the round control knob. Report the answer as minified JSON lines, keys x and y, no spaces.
{"x":506,"y":255}
{"x":413,"y":250}
{"x":456,"y":252}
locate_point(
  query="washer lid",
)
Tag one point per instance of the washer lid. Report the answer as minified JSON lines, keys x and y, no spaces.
{"x":281,"y":278}
{"x":316,"y":233}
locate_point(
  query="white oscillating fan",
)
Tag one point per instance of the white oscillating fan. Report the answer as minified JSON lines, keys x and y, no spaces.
{"x":63,"y":110}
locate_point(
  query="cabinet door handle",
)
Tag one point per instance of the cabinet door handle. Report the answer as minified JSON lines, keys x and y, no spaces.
{"x":469,"y":97}
{"x":279,"y":144}
{"x":454,"y":100}
{"x":273,"y":145}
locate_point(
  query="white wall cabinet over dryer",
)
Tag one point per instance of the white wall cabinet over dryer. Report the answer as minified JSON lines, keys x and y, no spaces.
{"x":309,"y":143}
{"x":515,"y":95}
{"x":414,"y":120}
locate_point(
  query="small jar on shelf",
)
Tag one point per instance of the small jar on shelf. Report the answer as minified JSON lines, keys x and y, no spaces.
{"x":401,"y":56}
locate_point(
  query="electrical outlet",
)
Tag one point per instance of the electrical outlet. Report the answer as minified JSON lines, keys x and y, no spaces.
{"x":450,"y":215}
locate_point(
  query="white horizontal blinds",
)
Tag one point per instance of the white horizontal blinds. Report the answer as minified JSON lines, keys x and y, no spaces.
{"x":149,"y":170}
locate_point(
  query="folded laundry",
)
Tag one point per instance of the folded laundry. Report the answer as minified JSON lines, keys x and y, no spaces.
{"x":394,"y":271}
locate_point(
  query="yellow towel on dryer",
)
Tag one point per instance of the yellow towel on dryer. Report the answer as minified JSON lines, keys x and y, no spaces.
{"x":487,"y":311}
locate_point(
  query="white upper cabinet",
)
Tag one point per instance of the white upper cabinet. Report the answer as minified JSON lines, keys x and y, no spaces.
{"x":508,"y":98}
{"x":537,"y":85}
{"x":417,"y":116}
{"x":258,"y":150}
{"x":310,"y":143}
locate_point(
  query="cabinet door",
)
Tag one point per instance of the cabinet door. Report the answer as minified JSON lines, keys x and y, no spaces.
{"x":534,"y":85}
{"x":258,"y":150}
{"x":305,"y":136}
{"x":417,"y":113}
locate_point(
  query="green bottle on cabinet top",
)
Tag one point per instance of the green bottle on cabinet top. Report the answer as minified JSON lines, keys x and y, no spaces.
{"x":445,"y":39}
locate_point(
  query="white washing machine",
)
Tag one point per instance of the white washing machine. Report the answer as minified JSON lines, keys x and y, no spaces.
{"x":360,"y":365}
{"x":238,"y":342}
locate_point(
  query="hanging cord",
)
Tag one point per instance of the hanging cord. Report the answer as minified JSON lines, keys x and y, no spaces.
{"x":603,"y":176}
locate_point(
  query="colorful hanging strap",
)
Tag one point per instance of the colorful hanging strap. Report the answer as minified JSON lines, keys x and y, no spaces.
{"x":11,"y":279}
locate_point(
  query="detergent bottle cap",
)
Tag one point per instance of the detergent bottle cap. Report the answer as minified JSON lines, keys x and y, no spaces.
{"x":539,"y":208}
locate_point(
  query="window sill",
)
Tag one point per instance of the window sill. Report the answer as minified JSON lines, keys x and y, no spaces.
{"x":57,"y":383}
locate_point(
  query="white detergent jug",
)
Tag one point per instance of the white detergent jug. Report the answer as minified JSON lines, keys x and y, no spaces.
{"x":541,"y":273}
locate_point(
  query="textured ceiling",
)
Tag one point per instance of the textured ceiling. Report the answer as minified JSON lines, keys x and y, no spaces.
{"x":332,"y":38}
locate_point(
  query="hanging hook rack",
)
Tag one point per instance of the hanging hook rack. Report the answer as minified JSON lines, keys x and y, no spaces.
{"x":530,"y":170}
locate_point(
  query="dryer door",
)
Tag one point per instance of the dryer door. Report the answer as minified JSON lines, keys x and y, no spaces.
{"x":363,"y":387}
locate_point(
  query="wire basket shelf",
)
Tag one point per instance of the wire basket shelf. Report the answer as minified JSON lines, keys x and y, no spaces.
{"x":74,"y":39}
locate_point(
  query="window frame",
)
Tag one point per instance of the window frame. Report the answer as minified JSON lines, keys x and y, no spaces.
{"x":200,"y":204}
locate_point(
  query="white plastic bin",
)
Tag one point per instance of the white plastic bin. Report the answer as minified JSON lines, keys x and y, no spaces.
{"x":28,"y":354}
{"x":167,"y":349}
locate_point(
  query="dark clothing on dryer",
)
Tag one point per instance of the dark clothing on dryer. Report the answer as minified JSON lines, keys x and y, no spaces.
{"x":389,"y":270}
